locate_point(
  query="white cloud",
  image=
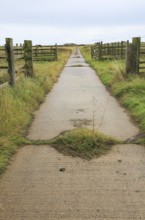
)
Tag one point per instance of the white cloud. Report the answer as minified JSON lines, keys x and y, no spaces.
{"x":86,"y":21}
{"x":52,"y":35}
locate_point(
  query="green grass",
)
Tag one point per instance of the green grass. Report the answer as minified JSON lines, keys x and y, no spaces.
{"x":129,"y":89}
{"x":3,"y":77}
{"x":84,"y":143}
{"x":18,"y":104}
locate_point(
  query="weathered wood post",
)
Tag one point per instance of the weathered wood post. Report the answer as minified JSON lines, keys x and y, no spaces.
{"x":100,"y":50}
{"x":21,"y":49}
{"x":11,"y":61}
{"x":130,"y":66}
{"x":115,"y":50}
{"x":35,"y":51}
{"x":92,"y":52}
{"x":28,"y":54}
{"x":118,"y":49}
{"x":108,"y":49}
{"x":136,"y":41}
{"x":112,"y":51}
{"x":122,"y":50}
{"x":56,"y":52}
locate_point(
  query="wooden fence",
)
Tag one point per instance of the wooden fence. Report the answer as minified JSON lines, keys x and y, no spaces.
{"x":20,"y":59}
{"x":133,"y":53}
{"x":102,"y":51}
{"x":44,"y":53}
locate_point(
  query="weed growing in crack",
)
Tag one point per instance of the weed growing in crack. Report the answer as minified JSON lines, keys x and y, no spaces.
{"x":84,"y":143}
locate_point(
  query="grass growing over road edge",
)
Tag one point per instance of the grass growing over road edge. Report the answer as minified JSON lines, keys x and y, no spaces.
{"x":80,"y":142}
{"x":18,"y":104}
{"x":130,"y":90}
{"x":84,"y":143}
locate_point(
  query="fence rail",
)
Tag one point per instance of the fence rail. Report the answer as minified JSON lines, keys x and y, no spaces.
{"x":133,"y":53}
{"x":44,"y":53}
{"x":14,"y":59}
{"x":102,"y":51}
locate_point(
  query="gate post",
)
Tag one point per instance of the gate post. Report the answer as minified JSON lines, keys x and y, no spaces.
{"x":11,"y":61}
{"x":136,"y":41}
{"x":130,"y":66}
{"x":28,"y":58}
{"x":100,"y":50}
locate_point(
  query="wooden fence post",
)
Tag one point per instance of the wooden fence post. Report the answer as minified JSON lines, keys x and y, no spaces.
{"x":28,"y":58}
{"x":115,"y":50}
{"x":11,"y":62}
{"x":100,"y":50}
{"x":56,"y":52}
{"x":136,"y":41}
{"x":122,"y":50}
{"x":92,"y":52}
{"x":130,"y":66}
{"x":112,"y":49}
{"x":108,"y":49}
{"x":118,"y":49}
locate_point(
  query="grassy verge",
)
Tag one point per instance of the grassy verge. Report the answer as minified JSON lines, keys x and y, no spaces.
{"x":130,"y":90}
{"x":18,"y":104}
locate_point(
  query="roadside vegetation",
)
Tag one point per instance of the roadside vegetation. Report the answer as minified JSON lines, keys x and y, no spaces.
{"x":129,"y":89}
{"x":84,"y":143}
{"x":18,"y":104}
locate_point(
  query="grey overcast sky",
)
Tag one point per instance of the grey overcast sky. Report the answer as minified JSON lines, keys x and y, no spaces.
{"x":71,"y":21}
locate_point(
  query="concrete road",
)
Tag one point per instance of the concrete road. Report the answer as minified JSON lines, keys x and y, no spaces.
{"x":79,"y":99}
{"x":42,"y":184}
{"x":111,"y":187}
